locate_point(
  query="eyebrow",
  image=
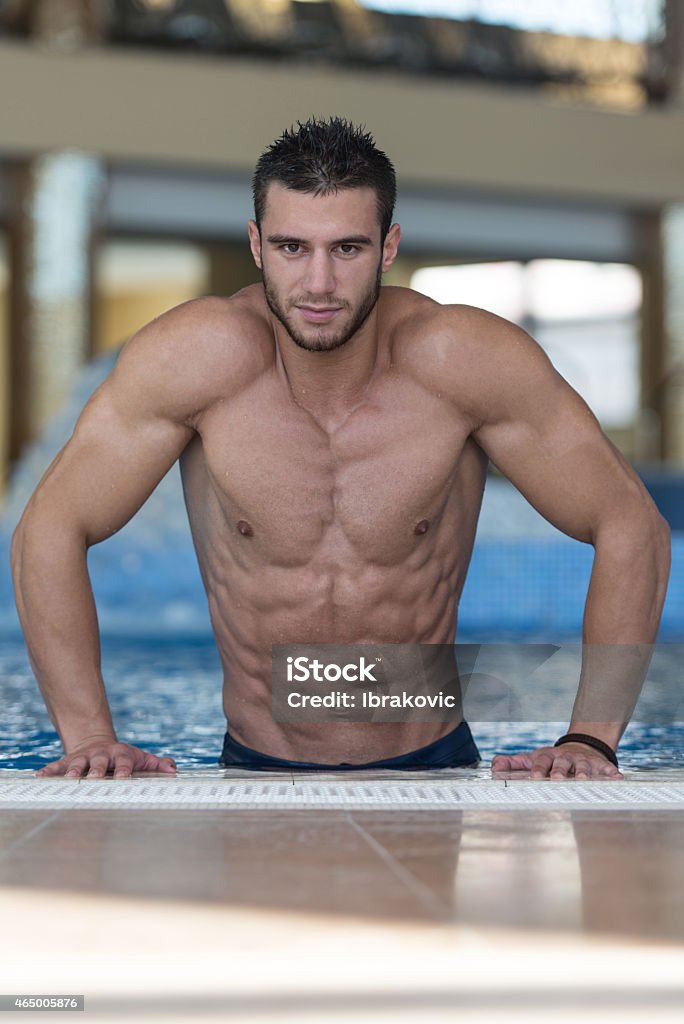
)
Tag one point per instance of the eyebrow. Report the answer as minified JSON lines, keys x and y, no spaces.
{"x":291,"y":240}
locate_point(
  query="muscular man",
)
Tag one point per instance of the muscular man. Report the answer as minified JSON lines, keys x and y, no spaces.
{"x":333,"y":438}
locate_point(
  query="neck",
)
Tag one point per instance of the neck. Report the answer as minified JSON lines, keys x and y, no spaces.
{"x":330,"y":384}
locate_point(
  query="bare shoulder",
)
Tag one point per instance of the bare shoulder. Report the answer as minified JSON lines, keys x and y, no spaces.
{"x":480,"y":360}
{"x":194,"y":354}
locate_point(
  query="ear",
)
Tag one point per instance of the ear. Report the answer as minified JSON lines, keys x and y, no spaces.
{"x":254,"y":242}
{"x":389,"y":249}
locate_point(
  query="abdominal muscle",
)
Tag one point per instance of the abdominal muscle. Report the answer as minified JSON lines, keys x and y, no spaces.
{"x":260,"y":594}
{"x":304,"y":606}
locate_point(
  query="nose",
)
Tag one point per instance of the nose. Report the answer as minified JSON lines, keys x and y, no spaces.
{"x":319,"y":277}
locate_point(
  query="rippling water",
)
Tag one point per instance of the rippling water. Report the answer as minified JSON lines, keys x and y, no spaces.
{"x":166,"y":696}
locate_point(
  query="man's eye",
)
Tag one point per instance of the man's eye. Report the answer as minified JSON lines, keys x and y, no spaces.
{"x":347,"y":248}
{"x":291,"y":247}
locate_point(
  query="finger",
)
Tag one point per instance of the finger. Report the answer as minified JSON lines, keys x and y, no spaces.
{"x":511,"y":762}
{"x":53,"y":768}
{"x":146,"y":762}
{"x":152,"y":763}
{"x":561,"y":768}
{"x":541,"y":766}
{"x":609,"y":771}
{"x":583,"y":768}
{"x":75,"y":766}
{"x":123,"y":766}
{"x":596,"y":768}
{"x":99,"y":766}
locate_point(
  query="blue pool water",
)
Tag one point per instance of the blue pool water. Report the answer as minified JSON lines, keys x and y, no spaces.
{"x":526,"y":578}
{"x":166,"y":697}
{"x":526,"y":581}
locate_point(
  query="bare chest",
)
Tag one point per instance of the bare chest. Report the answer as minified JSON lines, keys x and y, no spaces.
{"x":288,"y":486}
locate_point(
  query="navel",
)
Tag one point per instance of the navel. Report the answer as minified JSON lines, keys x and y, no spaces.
{"x":422,"y":527}
{"x":245,"y":528}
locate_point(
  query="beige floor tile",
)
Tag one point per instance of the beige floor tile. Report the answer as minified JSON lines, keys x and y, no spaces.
{"x":144,"y":960}
{"x":280,"y":915}
{"x":19,"y":826}
{"x":288,"y":860}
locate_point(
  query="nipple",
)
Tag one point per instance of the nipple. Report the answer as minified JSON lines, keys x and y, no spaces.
{"x":245,"y":528}
{"x":422,"y":527}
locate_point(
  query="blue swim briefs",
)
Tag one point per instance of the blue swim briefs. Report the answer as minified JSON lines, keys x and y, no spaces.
{"x":455,"y":750}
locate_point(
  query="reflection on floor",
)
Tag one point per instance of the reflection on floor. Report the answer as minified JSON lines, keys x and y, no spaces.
{"x":324,"y":915}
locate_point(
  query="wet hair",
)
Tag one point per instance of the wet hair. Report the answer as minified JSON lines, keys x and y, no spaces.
{"x":321,"y":157}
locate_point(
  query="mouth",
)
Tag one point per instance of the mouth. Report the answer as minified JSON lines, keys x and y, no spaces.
{"x":317,"y":315}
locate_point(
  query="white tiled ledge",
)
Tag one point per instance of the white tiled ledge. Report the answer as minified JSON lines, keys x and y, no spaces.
{"x":234,"y":791}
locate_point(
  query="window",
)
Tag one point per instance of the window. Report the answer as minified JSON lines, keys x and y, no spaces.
{"x":584,"y":315}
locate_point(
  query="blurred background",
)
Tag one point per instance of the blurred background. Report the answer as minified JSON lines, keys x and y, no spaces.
{"x":540,"y":155}
{"x":539,"y":146}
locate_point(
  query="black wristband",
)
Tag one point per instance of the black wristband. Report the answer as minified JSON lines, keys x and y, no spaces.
{"x":590,"y":741}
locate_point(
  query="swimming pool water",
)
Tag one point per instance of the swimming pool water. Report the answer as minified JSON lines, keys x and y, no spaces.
{"x":165,"y":695}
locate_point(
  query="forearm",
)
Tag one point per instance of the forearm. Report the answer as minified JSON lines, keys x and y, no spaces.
{"x":622,"y":614}
{"x":57,"y":612}
{"x":628,"y":584}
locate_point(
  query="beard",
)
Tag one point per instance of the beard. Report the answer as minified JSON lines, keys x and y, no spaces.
{"x":324,"y":340}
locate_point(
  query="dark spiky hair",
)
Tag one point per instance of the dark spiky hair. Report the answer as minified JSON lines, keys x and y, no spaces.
{"x":322,"y":157}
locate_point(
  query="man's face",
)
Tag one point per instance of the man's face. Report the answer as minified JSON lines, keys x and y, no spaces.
{"x":321,"y":261}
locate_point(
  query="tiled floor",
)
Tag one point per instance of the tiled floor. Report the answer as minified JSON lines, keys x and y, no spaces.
{"x":332,"y":915}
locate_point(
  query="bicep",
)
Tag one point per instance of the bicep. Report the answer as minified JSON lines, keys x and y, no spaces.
{"x":124,"y":442}
{"x":542,"y":435}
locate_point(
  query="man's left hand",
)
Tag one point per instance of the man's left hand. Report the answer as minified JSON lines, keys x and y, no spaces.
{"x":569,"y":761}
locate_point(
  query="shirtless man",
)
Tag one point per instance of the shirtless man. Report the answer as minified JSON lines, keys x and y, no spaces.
{"x":334,"y":438}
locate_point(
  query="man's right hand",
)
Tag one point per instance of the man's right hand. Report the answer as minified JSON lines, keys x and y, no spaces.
{"x":95,"y":758}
